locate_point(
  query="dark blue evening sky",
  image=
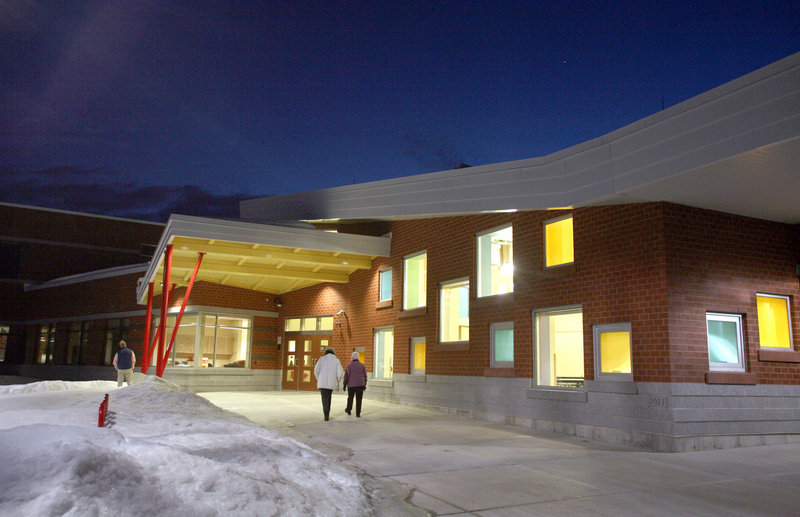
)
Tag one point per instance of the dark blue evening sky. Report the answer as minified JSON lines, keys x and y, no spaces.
{"x":142,"y":108}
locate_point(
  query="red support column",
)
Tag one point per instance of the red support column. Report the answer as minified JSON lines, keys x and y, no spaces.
{"x":147,"y":322}
{"x":180,"y":314}
{"x":164,"y":305}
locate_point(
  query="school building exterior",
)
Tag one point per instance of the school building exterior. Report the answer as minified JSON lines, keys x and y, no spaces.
{"x":641,"y":287}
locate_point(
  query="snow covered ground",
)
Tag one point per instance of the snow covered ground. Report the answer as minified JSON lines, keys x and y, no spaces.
{"x":163,"y":452}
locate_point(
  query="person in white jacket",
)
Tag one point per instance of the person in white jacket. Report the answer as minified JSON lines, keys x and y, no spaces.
{"x":328,"y":372}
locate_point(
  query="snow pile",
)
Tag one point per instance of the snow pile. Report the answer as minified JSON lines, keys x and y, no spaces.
{"x":165,"y":452}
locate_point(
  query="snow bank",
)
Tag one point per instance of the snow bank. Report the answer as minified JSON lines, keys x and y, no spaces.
{"x":166,"y":452}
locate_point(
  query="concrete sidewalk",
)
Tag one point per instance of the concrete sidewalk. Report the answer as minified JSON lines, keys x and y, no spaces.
{"x":460,"y":466}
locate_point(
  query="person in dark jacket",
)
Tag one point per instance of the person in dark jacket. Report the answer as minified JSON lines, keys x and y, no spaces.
{"x":355,"y":380}
{"x":124,"y":361}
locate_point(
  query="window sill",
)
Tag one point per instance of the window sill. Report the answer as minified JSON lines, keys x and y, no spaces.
{"x":455,"y":346}
{"x":730,"y":378}
{"x":779,"y":356}
{"x":500,"y":372}
{"x":381,"y":383}
{"x":494,"y":299}
{"x":412,"y":313}
{"x":386,"y":304}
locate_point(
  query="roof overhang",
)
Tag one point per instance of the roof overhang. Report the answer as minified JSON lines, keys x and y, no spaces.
{"x":268,"y":258}
{"x":735,"y":149}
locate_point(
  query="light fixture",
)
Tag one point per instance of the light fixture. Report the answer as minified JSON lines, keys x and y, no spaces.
{"x":278,"y":302}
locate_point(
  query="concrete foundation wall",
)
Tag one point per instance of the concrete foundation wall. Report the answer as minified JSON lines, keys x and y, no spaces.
{"x":657,"y":416}
{"x":224,"y":379}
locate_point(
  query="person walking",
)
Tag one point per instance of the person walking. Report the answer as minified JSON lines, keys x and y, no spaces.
{"x":355,"y":380}
{"x":124,"y":361}
{"x":328,"y":372}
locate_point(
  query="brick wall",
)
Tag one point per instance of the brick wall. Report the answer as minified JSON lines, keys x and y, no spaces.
{"x":657,"y":266}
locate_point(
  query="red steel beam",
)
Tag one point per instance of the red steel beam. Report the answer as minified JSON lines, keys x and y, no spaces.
{"x":180,"y":314}
{"x":147,"y":322}
{"x":164,"y":305}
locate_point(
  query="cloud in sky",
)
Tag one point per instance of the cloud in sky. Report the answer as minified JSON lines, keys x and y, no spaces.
{"x":104,"y":192}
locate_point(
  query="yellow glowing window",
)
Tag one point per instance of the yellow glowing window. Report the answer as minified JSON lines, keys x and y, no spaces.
{"x":558,"y":248}
{"x":418,"y":347}
{"x":773,"y":321}
{"x":293,"y":324}
{"x":613,"y":351}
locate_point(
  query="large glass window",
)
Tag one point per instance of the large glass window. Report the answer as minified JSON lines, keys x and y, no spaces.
{"x":4,"y":331}
{"x":612,"y":352}
{"x":559,"y":348}
{"x":384,"y":353}
{"x":454,"y":311}
{"x":774,"y":321}
{"x":415,"y":280}
{"x":78,"y":341}
{"x":495,"y":262}
{"x":219,"y":341}
{"x":47,"y":340}
{"x":558,"y":242}
{"x":502,"y":344}
{"x":385,"y":277}
{"x":725,"y":345}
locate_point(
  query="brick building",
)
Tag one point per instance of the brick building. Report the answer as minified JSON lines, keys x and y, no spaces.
{"x":641,"y":287}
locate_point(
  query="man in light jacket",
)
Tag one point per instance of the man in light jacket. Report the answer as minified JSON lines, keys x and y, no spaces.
{"x":328,"y":372}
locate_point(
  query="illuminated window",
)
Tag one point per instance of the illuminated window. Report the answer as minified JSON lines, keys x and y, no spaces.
{"x":293,"y":324}
{"x":384,"y":353}
{"x":502,"y":344}
{"x":559,"y":348}
{"x":417,"y":355}
{"x":495,"y":262}
{"x":725,"y":345}
{"x":774,"y":321}
{"x":415,"y":280}
{"x":454,"y":311}
{"x":612,"y":352}
{"x":219,"y":340}
{"x":317,"y":324}
{"x":558,"y":247}
{"x":385,"y":277}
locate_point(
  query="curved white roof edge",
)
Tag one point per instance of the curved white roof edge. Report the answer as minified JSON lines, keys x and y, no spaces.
{"x":255,"y":233}
{"x":750,"y":113}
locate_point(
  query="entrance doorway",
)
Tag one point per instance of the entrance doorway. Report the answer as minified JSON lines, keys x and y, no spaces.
{"x":299,"y":358}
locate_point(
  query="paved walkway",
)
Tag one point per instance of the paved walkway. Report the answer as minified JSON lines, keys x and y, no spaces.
{"x":459,"y":466}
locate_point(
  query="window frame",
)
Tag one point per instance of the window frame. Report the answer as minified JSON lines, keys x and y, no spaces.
{"x":788,"y":306}
{"x":5,"y":332}
{"x":537,"y":316}
{"x":480,"y":267}
{"x":597,"y":331}
{"x":442,"y":287}
{"x":727,"y":367}
{"x":375,"y":369}
{"x":544,"y":240}
{"x":423,"y":295}
{"x":381,"y":284}
{"x":500,"y":325}
{"x":414,"y":367}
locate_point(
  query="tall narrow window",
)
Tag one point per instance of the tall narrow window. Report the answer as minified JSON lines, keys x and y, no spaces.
{"x":4,"y":331}
{"x":385,"y":285}
{"x":116,"y":330}
{"x":612,"y":352}
{"x":415,"y":280}
{"x":725,"y":345}
{"x":495,"y":262}
{"x":774,"y":321}
{"x":47,"y":340}
{"x":384,"y":353}
{"x":558,"y":242}
{"x":78,"y":341}
{"x":454,"y":311}
{"x":502,"y":344}
{"x":417,"y":355}
{"x":559,"y":348}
